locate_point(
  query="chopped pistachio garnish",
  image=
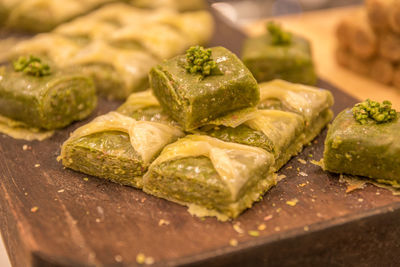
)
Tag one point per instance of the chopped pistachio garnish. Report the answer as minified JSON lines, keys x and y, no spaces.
{"x":279,"y":36}
{"x":32,"y":66}
{"x":200,"y":61}
{"x":374,"y":111}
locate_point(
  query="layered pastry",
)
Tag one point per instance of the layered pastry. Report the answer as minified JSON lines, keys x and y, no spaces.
{"x":44,"y":97}
{"x":180,"y":5}
{"x":288,"y":117}
{"x":279,"y":54}
{"x":364,"y":141}
{"x":118,"y":147}
{"x":118,"y":44}
{"x":44,"y":15}
{"x":212,"y":177}
{"x":203,"y":85}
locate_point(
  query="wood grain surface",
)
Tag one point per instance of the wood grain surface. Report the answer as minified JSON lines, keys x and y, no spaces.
{"x":319,"y":27}
{"x":51,"y":216}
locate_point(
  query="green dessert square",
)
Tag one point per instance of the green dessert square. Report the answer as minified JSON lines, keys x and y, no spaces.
{"x":119,"y":146}
{"x":194,"y":96}
{"x":43,"y":97}
{"x":367,"y":149}
{"x":271,"y":56}
{"x":211,"y":177}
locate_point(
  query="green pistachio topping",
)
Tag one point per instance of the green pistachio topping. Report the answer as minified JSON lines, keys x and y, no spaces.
{"x":374,"y":111}
{"x":200,"y":61}
{"x":32,"y":66}
{"x":279,"y":36}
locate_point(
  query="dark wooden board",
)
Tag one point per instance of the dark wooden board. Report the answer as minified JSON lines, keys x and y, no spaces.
{"x":98,"y":223}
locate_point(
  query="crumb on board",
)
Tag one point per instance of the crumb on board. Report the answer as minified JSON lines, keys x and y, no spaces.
{"x":254,"y":233}
{"x":118,"y":258}
{"x":233,"y":242}
{"x":142,"y":259}
{"x":97,"y":220}
{"x":289,"y":167}
{"x":61,"y":191}
{"x":34,"y":209}
{"x":303,"y":174}
{"x":268,"y":217}
{"x":163,"y":222}
{"x":262,"y":227}
{"x":310,"y":155}
{"x":293,"y":202}
{"x":302,"y":161}
{"x":302,"y":184}
{"x":360,"y":200}
{"x":280,"y":177}
{"x":278,"y":210}
{"x":26,"y":147}
{"x":85,"y":179}
{"x":37,"y":165}
{"x":306,"y":228}
{"x":277,"y":229}
{"x":319,"y":163}
{"x":26,"y":193}
{"x":143,"y":200}
{"x":237,"y":228}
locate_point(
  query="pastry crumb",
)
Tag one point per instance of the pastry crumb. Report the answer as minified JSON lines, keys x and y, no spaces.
{"x":140,"y":258}
{"x":280,"y":177}
{"x":303,"y":174}
{"x":237,"y":228}
{"x":37,"y":165}
{"x":293,"y":202}
{"x":262,"y":227}
{"x":85,"y":179}
{"x":268,"y":217}
{"x":233,"y":242}
{"x":61,"y":191}
{"x":34,"y":209}
{"x":306,"y":228}
{"x":118,"y":258}
{"x":163,"y":222}
{"x":302,"y":161}
{"x":254,"y":233}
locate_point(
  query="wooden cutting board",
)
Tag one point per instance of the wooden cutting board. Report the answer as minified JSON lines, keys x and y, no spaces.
{"x":51,"y":216}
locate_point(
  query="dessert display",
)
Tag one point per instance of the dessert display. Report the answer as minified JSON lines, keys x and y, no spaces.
{"x":227,"y":159}
{"x":279,"y":54}
{"x":35,"y":95}
{"x":364,"y":141}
